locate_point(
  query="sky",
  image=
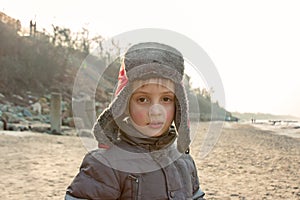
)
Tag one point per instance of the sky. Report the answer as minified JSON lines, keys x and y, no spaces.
{"x":255,"y":45}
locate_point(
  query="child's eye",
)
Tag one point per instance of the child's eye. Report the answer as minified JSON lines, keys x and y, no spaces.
{"x":167,"y":99}
{"x":142,"y":100}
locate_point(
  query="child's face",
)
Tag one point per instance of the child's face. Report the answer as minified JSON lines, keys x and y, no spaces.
{"x":152,"y":106}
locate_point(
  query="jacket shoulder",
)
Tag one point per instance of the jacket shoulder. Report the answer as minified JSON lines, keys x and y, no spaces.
{"x":96,"y":179}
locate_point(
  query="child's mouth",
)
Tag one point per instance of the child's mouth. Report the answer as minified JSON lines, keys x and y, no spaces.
{"x":155,"y":125}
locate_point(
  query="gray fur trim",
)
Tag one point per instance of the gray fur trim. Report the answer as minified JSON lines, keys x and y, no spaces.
{"x":151,"y":52}
{"x":105,"y":129}
{"x":154,"y":70}
{"x":182,"y":119}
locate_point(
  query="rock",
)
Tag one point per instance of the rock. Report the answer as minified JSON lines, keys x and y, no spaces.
{"x":40,"y":129}
{"x":55,"y":132}
{"x":22,"y":128}
{"x":18,"y":97}
{"x":37,"y":108}
{"x":68,"y":121}
{"x":45,"y":109}
{"x":20,"y":114}
{"x":27,"y":113}
{"x":12,"y":127}
{"x":10,"y":117}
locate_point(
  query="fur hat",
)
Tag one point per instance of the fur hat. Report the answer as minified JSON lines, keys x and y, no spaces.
{"x":144,"y":61}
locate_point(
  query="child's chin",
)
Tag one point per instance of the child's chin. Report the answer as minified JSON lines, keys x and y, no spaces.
{"x":153,"y":133}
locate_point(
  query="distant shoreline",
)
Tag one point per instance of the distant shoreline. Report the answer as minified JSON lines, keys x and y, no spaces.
{"x":290,"y":130}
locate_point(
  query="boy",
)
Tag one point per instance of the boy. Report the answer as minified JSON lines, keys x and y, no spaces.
{"x":138,"y":157}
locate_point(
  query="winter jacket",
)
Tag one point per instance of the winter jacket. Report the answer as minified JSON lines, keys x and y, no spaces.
{"x":101,"y":177}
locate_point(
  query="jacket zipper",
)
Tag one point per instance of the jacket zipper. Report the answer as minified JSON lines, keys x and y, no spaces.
{"x":135,"y":185}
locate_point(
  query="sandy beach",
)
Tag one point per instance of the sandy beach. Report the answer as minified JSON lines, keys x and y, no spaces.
{"x":248,"y":162}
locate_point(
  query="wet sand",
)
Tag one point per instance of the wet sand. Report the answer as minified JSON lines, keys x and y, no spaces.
{"x":246,"y":163}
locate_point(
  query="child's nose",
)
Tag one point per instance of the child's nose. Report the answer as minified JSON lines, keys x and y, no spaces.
{"x":156,"y":109}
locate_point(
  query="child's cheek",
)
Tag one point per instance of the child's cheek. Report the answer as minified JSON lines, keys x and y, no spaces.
{"x":139,"y":114}
{"x":170,"y":114}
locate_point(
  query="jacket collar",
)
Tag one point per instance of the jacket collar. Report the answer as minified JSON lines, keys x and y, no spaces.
{"x":150,"y":143}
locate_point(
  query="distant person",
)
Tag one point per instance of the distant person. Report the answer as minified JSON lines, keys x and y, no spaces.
{"x":138,"y":157}
{"x":32,"y":28}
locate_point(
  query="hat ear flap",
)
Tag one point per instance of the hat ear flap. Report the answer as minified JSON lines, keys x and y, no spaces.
{"x":181,"y":119}
{"x":105,"y":129}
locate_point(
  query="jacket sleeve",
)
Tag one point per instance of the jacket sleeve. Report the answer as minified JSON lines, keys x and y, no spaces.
{"x":95,"y":180}
{"x":198,"y":194}
{"x":69,"y":197}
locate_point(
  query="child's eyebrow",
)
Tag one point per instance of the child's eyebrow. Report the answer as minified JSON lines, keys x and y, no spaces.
{"x":168,"y":92}
{"x":145,"y":92}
